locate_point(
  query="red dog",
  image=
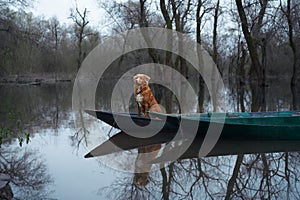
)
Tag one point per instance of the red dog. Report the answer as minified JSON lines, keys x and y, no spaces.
{"x":143,"y":95}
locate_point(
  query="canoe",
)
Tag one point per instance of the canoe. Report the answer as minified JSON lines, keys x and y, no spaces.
{"x":171,"y":124}
{"x":236,"y":126}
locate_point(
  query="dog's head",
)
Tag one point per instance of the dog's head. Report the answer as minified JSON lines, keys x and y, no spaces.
{"x":141,"y":79}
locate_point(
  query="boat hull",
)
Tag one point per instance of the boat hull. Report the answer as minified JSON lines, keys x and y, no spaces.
{"x":238,"y":126}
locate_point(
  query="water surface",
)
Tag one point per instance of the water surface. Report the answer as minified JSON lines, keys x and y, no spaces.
{"x":52,"y":164}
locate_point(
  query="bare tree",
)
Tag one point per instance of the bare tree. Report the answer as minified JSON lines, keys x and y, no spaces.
{"x":292,"y":23}
{"x":251,"y":37}
{"x":16,"y":3}
{"x":252,"y":34}
{"x":81,"y":22}
{"x":202,"y":8}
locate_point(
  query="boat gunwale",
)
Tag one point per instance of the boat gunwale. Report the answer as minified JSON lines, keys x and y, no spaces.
{"x":210,"y":118}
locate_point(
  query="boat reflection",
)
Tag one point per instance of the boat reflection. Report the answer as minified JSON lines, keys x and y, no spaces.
{"x":121,"y":142}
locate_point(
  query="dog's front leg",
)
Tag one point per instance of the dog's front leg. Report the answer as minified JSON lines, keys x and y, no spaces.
{"x":139,"y":110}
{"x":146,"y":110}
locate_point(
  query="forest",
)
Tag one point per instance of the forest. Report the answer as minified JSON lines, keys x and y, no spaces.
{"x":249,"y":40}
{"x":254,"y":43}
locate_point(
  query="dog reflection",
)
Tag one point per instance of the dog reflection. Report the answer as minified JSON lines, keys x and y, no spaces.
{"x":142,"y":164}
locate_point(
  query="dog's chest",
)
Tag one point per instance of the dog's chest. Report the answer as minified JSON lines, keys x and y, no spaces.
{"x":139,"y":97}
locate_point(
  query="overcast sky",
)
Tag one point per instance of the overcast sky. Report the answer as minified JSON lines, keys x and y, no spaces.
{"x":61,"y":9}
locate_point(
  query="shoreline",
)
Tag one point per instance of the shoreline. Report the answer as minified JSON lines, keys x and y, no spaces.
{"x":35,"y":79}
{"x":49,"y":78}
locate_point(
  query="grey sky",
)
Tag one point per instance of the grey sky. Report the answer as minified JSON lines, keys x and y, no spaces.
{"x":61,"y":9}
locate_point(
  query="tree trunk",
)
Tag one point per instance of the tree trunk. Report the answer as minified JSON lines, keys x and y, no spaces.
{"x":291,"y":41}
{"x":215,"y":32}
{"x":241,"y":79}
{"x":168,"y":57}
{"x":198,"y":39}
{"x":258,"y":91}
{"x":143,"y":21}
{"x":234,"y":176}
{"x":252,"y":47}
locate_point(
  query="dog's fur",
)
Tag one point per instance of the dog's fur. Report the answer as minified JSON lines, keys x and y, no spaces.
{"x":143,"y":95}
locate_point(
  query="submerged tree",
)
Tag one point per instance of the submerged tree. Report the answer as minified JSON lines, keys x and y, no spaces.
{"x":290,"y":11}
{"x":252,"y":36}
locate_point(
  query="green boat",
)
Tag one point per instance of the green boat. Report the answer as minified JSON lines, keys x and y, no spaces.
{"x":234,"y":126}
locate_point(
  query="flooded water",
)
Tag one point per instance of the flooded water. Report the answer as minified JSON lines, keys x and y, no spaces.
{"x":52,"y":164}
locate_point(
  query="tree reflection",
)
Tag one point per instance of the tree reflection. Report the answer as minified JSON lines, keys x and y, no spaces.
{"x":269,"y":176}
{"x":125,"y":188}
{"x":252,"y":176}
{"x":28,"y":172}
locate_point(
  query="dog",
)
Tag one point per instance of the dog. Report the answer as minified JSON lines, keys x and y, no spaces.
{"x":143,"y":95}
{"x":146,"y":102}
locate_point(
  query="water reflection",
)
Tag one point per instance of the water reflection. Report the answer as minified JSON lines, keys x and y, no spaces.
{"x":5,"y":188}
{"x":254,"y":176}
{"x":263,"y":171}
{"x":146,"y":154}
{"x":29,"y":177}
{"x":232,"y":170}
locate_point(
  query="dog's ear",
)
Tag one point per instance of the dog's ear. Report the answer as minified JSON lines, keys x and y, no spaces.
{"x":147,"y":78}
